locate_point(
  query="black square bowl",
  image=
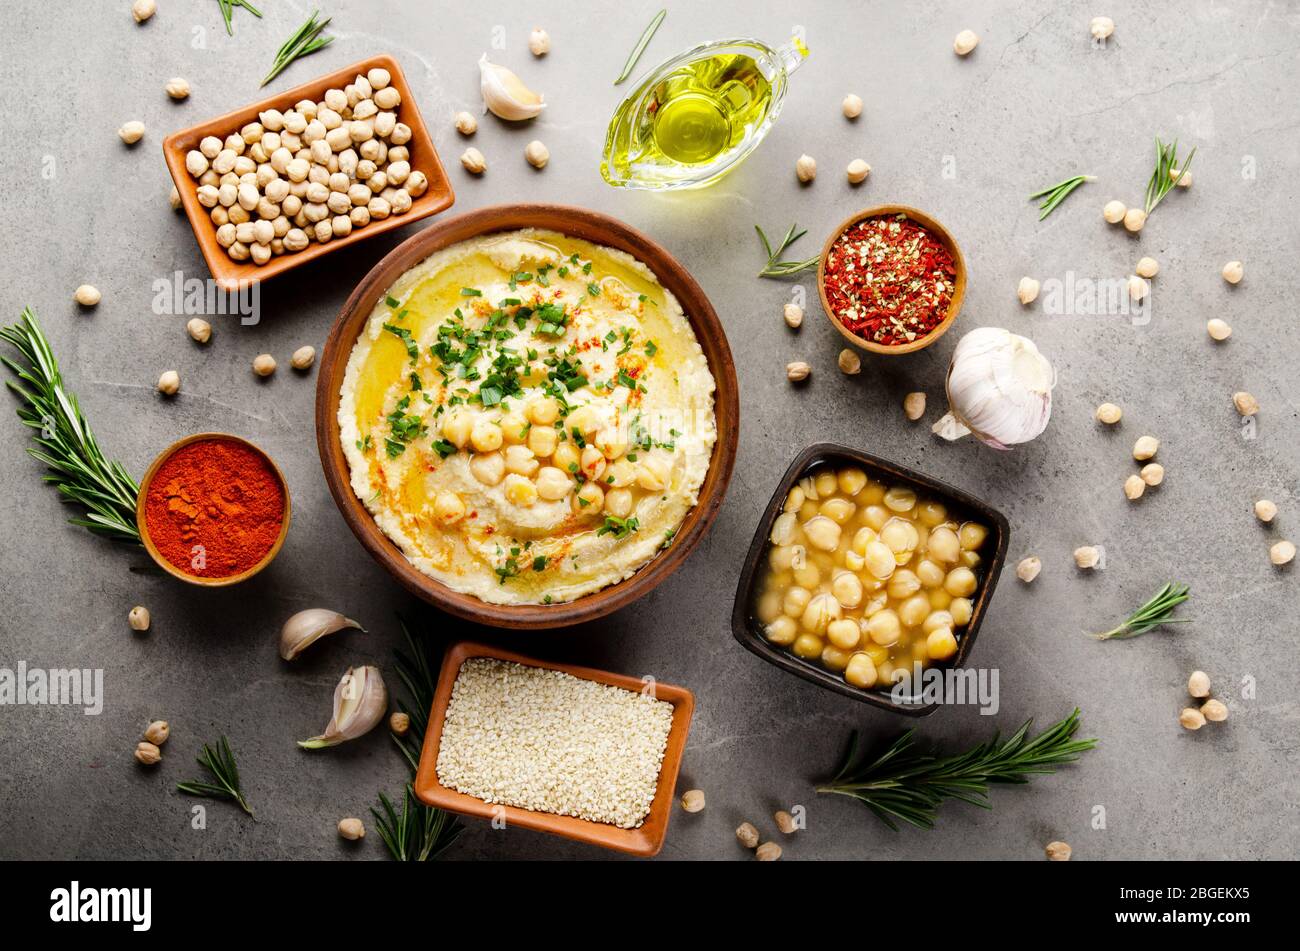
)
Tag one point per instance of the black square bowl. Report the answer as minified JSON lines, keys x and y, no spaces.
{"x":747,"y":628}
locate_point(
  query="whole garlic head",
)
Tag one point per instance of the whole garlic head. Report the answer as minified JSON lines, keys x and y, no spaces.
{"x":505,"y":95}
{"x":999,"y":388}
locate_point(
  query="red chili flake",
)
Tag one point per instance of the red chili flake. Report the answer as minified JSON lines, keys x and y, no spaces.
{"x":889,"y":280}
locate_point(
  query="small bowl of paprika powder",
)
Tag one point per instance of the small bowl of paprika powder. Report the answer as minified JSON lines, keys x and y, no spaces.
{"x":891,"y":279}
{"x":213,"y":509}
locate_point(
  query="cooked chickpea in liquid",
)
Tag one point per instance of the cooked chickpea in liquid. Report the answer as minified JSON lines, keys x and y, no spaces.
{"x":867,"y":579}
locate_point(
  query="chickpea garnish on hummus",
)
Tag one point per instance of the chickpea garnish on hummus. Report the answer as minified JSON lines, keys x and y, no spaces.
{"x":528,"y":416}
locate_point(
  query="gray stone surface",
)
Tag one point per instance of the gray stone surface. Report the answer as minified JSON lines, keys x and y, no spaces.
{"x":966,"y":140}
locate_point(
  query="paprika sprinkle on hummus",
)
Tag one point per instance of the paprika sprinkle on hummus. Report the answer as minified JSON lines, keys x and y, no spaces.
{"x":889,"y":280}
{"x":214,"y":508}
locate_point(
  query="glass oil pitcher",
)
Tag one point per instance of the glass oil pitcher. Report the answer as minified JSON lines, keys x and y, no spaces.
{"x":697,"y":116}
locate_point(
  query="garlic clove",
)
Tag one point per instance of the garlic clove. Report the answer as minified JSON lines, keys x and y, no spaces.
{"x":360,"y":702}
{"x":307,"y":627}
{"x":505,"y":95}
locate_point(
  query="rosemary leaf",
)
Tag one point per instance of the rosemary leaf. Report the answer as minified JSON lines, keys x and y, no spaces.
{"x":304,"y":41}
{"x":65,"y":443}
{"x":1163,"y":178}
{"x":640,"y":46}
{"x":906,"y":785}
{"x":220,"y":763}
{"x":1157,"y":611}
{"x":778,"y":268}
{"x":1053,"y":195}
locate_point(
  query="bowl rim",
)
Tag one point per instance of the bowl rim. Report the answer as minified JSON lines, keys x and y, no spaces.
{"x":944,"y":236}
{"x":142,"y":523}
{"x":645,"y":840}
{"x":232,"y":275}
{"x":577,"y":222}
{"x":749,"y":637}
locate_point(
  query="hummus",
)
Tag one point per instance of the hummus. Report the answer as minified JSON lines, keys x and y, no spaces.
{"x":528,"y":416}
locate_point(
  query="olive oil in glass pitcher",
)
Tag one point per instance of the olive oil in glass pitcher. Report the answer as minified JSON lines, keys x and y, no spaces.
{"x":698,"y":115}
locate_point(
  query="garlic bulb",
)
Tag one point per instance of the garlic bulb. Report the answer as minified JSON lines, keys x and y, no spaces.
{"x":504,"y":93}
{"x":999,"y":388}
{"x":360,"y":702}
{"x":307,"y":627}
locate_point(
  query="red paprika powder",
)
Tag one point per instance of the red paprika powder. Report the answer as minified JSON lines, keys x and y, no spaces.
{"x":214,"y":508}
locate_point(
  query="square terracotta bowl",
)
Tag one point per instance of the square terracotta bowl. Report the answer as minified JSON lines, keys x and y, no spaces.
{"x":645,"y":840}
{"x":231,"y":274}
{"x":748,"y":629}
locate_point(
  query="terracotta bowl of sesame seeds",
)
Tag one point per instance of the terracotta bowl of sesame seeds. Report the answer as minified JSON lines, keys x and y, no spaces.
{"x":917,"y":299}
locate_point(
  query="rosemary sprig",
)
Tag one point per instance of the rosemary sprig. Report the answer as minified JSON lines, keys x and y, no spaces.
{"x":641,"y":44}
{"x":905,"y":784}
{"x":305,"y":41}
{"x":778,"y":268}
{"x":228,"y":11}
{"x":1157,"y":611}
{"x":1053,"y":195}
{"x":419,"y":832}
{"x":1161,"y":179}
{"x":65,"y":441}
{"x":220,"y":762}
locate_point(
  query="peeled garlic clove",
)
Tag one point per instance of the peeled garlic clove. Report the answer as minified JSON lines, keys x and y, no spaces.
{"x":999,"y":388}
{"x":505,"y":95}
{"x":307,"y":627}
{"x":360,"y":702}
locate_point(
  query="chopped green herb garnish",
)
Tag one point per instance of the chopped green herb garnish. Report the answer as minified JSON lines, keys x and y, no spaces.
{"x":618,"y":527}
{"x":470,"y":292}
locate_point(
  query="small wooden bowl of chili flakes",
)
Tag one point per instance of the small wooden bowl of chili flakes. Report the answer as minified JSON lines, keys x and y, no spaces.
{"x":891,"y":279}
{"x":213,"y":509}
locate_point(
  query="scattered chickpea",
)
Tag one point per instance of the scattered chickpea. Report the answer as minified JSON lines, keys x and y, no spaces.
{"x":539,"y":42}
{"x":1153,"y":473}
{"x":850,"y":363}
{"x":1216,"y":711}
{"x":852,"y":106}
{"x":143,"y":10}
{"x":199,"y":329}
{"x":1087,"y":556}
{"x":1147,"y":267}
{"x":1233,"y":272}
{"x":1029,"y":568}
{"x":264,"y":364}
{"x":1134,"y":487}
{"x":169,"y":383}
{"x":1191,"y":718}
{"x":138,"y":618}
{"x":1246,"y":404}
{"x":793,"y":315}
{"x":174,"y":199}
{"x":964,"y":42}
{"x":693,"y":800}
{"x":157,"y":732}
{"x":177,"y":87}
{"x":747,"y":835}
{"x":87,"y":295}
{"x":473,"y":161}
{"x":785,"y":822}
{"x":1109,"y":414}
{"x":1114,"y":212}
{"x":399,"y":723}
{"x":1266,"y":510}
{"x":1218,"y":329}
{"x":1198,"y":684}
{"x":858,"y":171}
{"x":768,"y":852}
{"x":352,"y":829}
{"x":1134,"y":219}
{"x":1027,"y":290}
{"x":1058,"y":851}
{"x":1137,"y":288}
{"x":131,"y":132}
{"x":146,"y":754}
{"x":303,"y":358}
{"x":797,"y":371}
{"x":537,"y":154}
{"x":1184,"y":182}
{"x":466,"y":124}
{"x":805,"y":168}
{"x":1282,"y":552}
{"x":914,"y":406}
{"x":1101,"y":27}
{"x":1145,"y":448}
